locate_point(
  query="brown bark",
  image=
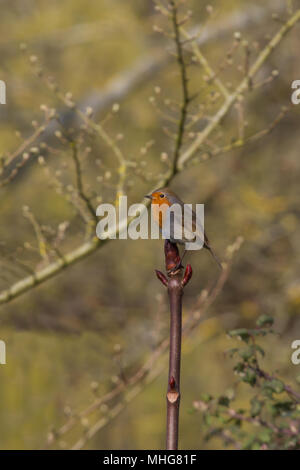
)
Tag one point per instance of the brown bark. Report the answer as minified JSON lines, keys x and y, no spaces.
{"x":175,"y":284}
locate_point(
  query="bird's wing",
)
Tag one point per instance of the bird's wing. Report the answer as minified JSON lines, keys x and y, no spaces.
{"x":183,"y":226}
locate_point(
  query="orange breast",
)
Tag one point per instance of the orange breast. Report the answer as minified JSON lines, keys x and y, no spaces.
{"x":158,"y":209}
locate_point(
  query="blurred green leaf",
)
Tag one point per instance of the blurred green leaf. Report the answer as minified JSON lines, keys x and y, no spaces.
{"x":224,"y":401}
{"x":265,"y":320}
{"x":241,"y":333}
{"x":256,"y":407}
{"x":250,"y":377}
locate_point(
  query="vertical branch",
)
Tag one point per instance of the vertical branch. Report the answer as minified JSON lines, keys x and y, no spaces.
{"x":79,"y":182}
{"x":173,"y":393}
{"x":184,"y":86}
{"x":175,"y":284}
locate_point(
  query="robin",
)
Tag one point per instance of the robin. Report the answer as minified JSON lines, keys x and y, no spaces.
{"x":163,"y":198}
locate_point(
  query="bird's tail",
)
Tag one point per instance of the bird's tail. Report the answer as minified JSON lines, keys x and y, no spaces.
{"x":215,"y":257}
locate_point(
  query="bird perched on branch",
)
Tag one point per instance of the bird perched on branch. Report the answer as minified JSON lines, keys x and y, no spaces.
{"x":164,"y":198}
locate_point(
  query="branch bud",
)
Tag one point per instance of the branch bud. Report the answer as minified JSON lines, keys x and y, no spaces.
{"x":161,"y":277}
{"x":171,"y":255}
{"x":187,"y":275}
{"x":172,"y":383}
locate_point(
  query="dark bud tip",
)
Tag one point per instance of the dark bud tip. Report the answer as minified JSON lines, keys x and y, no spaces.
{"x":161,"y":277}
{"x":171,"y":255}
{"x":172,"y":383}
{"x":187,"y":275}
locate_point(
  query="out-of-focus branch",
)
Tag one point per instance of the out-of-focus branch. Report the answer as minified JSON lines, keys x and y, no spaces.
{"x":122,"y":168}
{"x":41,"y":241}
{"x":217,"y":118}
{"x":205,"y":64}
{"x":79,"y":182}
{"x":49,"y":271}
{"x":144,"y":69}
{"x":195,"y":48}
{"x":239,"y":143}
{"x":89,"y":247}
{"x":184,"y":85}
{"x":11,"y":171}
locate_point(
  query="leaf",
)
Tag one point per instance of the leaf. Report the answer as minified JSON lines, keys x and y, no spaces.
{"x":282,"y":408}
{"x":249,"y":442}
{"x":277,"y":385}
{"x":255,"y":446}
{"x":239,"y":367}
{"x":256,"y":407}
{"x":224,"y":401}
{"x":241,"y":333}
{"x":250,"y":377}
{"x":207,"y":419}
{"x":265,"y":320}
{"x":265,"y":436}
{"x":206,"y":397}
{"x":247,"y":353}
{"x":232,"y":351}
{"x":260,"y":350}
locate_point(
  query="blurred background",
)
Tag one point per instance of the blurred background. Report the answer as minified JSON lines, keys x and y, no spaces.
{"x":74,"y":336}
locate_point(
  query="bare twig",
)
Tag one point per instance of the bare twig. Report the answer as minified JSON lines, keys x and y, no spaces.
{"x":89,"y":247}
{"x":184,"y":86}
{"x":144,"y":69}
{"x":13,"y":172}
{"x":175,"y":285}
{"x":80,"y":188}
{"x":241,"y":142}
{"x":263,"y":56}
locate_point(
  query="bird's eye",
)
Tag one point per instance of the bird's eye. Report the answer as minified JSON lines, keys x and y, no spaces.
{"x":162,"y":195}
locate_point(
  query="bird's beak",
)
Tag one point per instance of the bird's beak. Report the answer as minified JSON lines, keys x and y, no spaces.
{"x":148,"y":196}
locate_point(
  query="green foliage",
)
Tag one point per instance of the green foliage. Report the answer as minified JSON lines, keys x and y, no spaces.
{"x":270,"y":419}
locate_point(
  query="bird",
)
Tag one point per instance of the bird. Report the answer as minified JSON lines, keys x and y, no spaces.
{"x":163,"y":198}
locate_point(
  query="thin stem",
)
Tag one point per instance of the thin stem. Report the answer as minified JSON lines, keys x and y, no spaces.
{"x":205,"y":64}
{"x":155,"y":364}
{"x":173,"y":395}
{"x":184,"y":86}
{"x":79,"y":182}
{"x":175,"y":284}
